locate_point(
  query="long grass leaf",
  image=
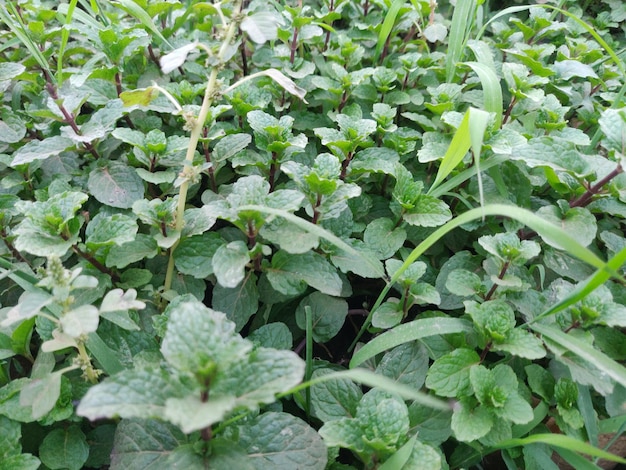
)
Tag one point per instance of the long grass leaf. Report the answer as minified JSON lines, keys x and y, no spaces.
{"x":376,"y":267}
{"x":462,"y":20}
{"x":492,"y":92}
{"x":585,"y":351}
{"x":417,"y":329}
{"x":371,"y":379}
{"x":545,"y":229}
{"x":563,"y":442}
{"x":585,"y":288}
{"x":473,"y":121}
{"x":65,"y":35}
{"x":387,"y":27}
{"x":140,"y":14}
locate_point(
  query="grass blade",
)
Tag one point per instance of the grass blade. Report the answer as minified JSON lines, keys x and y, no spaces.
{"x":561,"y":441}
{"x":387,"y":27}
{"x":492,"y":92}
{"x":371,"y":379}
{"x":411,"y":331}
{"x":140,"y":14}
{"x":459,"y":31}
{"x":587,"y":352}
{"x":469,"y":134}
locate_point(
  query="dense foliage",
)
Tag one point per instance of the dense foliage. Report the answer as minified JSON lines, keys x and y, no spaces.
{"x":374,"y":234}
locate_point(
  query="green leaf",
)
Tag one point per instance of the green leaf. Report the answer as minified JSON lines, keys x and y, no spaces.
{"x":328,"y":315}
{"x":428,"y":212}
{"x":140,"y":14}
{"x":262,"y":26}
{"x":41,"y":394}
{"x":382,"y":237}
{"x":115,"y":184}
{"x":272,"y":335}
{"x":238,"y":303}
{"x":463,"y":282}
{"x":289,"y":237}
{"x":470,"y":425}
{"x":194,"y":255}
{"x":577,"y":221}
{"x":343,"y":432}
{"x":422,"y":456}
{"x":588,"y":353}
{"x":116,"y":229}
{"x":417,"y":329}
{"x":192,"y":414}
{"x":613,"y":125}
{"x":142,"y":247}
{"x":562,"y":441}
{"x":449,"y":376}
{"x":383,"y":417}
{"x":229,"y":263}
{"x":41,"y":149}
{"x":9,"y":70}
{"x":139,"y":393}
{"x":433,"y":426}
{"x":407,"y":364}
{"x":198,"y":338}
{"x":12,"y":128}
{"x":469,"y":134}
{"x":279,"y":440}
{"x":521,"y":343}
{"x":334,"y":399}
{"x":558,"y":154}
{"x":230,"y":145}
{"x":145,"y":444}
{"x":64,"y":448}
{"x":495,"y":318}
{"x":289,"y":272}
{"x":257,"y":380}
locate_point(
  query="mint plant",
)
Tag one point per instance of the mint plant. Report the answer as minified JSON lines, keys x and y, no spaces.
{"x":340,"y":234}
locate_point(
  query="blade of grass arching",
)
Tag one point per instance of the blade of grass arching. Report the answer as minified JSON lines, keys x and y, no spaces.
{"x":376,"y":267}
{"x":11,"y":18}
{"x":588,"y":412}
{"x":387,"y":27}
{"x":478,"y":122}
{"x":81,"y":17}
{"x":561,"y":441}
{"x":603,"y":274}
{"x":140,"y":14}
{"x":308,"y":358}
{"x":65,"y":35}
{"x":585,"y":351}
{"x":462,"y":21}
{"x":545,"y":229}
{"x":416,"y":329}
{"x":492,"y":92}
{"x":400,"y":457}
{"x":467,"y":135}
{"x":454,"y":182}
{"x":371,"y":379}
{"x":575,"y":460}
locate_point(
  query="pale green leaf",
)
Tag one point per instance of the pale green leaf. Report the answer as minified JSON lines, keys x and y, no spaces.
{"x":328,"y":315}
{"x":229,"y":263}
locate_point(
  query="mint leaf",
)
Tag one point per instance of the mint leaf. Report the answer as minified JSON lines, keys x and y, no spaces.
{"x":577,"y":221}
{"x":470,"y":424}
{"x":64,"y":448}
{"x":116,"y":229}
{"x":407,"y":364}
{"x":383,"y":238}
{"x":449,"y":376}
{"x":115,"y":184}
{"x":433,"y":426}
{"x":334,"y":399}
{"x":192,"y":414}
{"x":288,"y":236}
{"x":328,"y":315}
{"x":142,"y":247}
{"x":229,"y":263}
{"x":463,"y":283}
{"x":41,"y":150}
{"x":428,"y":211}
{"x":288,"y":273}
{"x":272,"y":335}
{"x":266,"y":372}
{"x":138,"y":393}
{"x":194,"y":255}
{"x":144,"y":444}
{"x":41,"y":394}
{"x":198,"y":337}
{"x":278,"y":440}
{"x":238,"y":303}
{"x":521,"y":343}
{"x":383,"y":418}
{"x":343,"y":432}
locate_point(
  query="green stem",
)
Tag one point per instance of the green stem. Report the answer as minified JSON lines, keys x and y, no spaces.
{"x":193,"y":143}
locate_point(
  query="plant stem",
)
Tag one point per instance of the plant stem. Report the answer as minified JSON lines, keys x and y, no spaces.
{"x":96,"y":264}
{"x":193,"y":143}
{"x":501,"y":274}
{"x":294,"y":46}
{"x":585,"y":198}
